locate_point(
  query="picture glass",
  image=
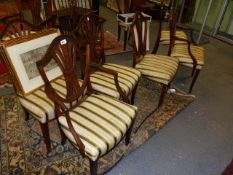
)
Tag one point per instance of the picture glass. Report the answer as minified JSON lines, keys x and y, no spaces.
{"x":23,"y":58}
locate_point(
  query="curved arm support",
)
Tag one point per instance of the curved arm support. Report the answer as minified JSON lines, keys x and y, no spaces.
{"x":115,"y":75}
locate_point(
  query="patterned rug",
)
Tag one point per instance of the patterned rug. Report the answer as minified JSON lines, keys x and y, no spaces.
{"x":23,"y":150}
{"x":112,"y":45}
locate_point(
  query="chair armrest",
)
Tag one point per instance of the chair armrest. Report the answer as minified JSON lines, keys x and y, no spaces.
{"x":179,"y":26}
{"x":185,"y":40}
{"x":184,"y":27}
{"x":101,"y":68}
{"x":116,"y":82}
{"x":182,"y":39}
{"x":189,"y":49}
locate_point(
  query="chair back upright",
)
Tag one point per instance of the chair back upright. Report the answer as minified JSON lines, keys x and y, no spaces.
{"x":165,"y":12}
{"x":91,"y":27}
{"x":172,"y":29}
{"x":139,"y":31}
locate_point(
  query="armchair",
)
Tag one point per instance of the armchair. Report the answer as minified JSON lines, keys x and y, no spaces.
{"x":94,"y":124}
{"x":163,"y":36}
{"x":188,"y":53}
{"x":158,"y":68}
{"x":110,"y":79}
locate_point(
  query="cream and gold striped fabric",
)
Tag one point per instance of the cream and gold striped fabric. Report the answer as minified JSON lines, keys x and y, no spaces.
{"x":181,"y":52}
{"x":159,"y":68}
{"x":101,"y":122}
{"x":104,"y":83}
{"x":165,"y":37}
{"x":39,"y":105}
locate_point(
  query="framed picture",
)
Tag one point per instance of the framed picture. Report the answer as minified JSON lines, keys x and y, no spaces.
{"x":21,"y":55}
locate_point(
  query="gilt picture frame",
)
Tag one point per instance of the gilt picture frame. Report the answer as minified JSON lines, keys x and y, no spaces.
{"x":21,"y":54}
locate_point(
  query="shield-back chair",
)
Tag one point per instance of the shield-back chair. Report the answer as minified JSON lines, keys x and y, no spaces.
{"x":188,"y":53}
{"x":110,"y":79}
{"x":163,"y":36}
{"x":94,"y":124}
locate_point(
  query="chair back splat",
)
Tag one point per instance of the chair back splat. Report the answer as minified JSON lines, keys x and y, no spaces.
{"x":172,"y":27}
{"x":64,"y":50}
{"x":140,"y":36}
{"x":161,"y":19}
{"x":91,"y":27}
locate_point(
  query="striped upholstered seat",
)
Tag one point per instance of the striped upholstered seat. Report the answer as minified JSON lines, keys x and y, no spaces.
{"x":165,"y":36}
{"x":159,"y":68}
{"x":101,"y":122}
{"x":104,"y":83}
{"x":182,"y":53}
{"x":39,"y":105}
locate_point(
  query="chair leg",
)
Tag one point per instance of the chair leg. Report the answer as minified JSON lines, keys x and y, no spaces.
{"x":155,"y":48}
{"x":128,"y":133}
{"x":125,"y":39}
{"x":119,"y":33}
{"x":133,"y":94}
{"x":93,"y":167}
{"x":193,"y":70}
{"x":26,"y":114}
{"x":194,"y":80}
{"x":129,"y":35}
{"x":45,"y":131}
{"x":162,"y":94}
{"x":63,"y":137}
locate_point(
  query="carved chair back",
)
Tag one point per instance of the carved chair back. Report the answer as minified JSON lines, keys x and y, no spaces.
{"x":139,"y":32}
{"x":65,"y":50}
{"x":16,"y":28}
{"x":91,"y":27}
{"x":19,"y":27}
{"x":69,"y":12}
